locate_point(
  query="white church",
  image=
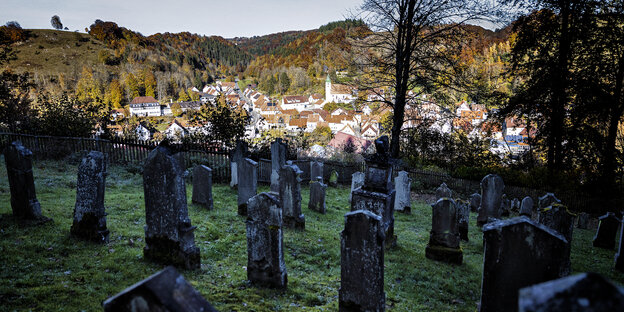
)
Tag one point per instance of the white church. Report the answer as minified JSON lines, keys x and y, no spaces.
{"x":338,"y":93}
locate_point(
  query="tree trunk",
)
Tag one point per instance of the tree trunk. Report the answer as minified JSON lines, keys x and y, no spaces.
{"x":614,"y":119}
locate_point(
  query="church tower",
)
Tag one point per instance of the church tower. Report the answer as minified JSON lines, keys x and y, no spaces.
{"x":328,"y":89}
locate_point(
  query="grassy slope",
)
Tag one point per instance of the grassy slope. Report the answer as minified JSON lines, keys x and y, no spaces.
{"x":54,"y":51}
{"x":44,"y":269}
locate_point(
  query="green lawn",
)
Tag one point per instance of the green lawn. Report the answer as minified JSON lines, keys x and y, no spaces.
{"x":43,"y":269}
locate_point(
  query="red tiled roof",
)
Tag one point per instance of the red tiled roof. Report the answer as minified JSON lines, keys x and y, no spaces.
{"x":143,"y":99}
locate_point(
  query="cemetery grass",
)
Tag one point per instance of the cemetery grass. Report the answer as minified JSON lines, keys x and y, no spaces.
{"x":44,"y":269}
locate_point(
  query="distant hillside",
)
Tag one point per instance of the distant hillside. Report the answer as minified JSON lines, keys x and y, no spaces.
{"x":262,"y":45}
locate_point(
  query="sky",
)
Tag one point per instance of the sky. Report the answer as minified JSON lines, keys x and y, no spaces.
{"x":237,"y":18}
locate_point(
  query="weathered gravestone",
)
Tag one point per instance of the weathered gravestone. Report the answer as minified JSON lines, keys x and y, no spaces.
{"x":475,"y":202}
{"x":278,"y":160}
{"x":317,"y":197}
{"x":333,"y":178}
{"x":515,"y":204}
{"x":526,"y":208}
{"x":492,"y":187}
{"x":586,"y":292}
{"x":236,"y":157}
{"x":362,"y":263}
{"x":444,"y":237}
{"x":619,"y":256}
{"x":583,"y":221}
{"x":505,"y":207}
{"x":463,"y":218}
{"x":403,"y":200}
{"x":265,"y":247}
{"x":558,"y":218}
{"x":169,"y":235}
{"x":166,"y":290}
{"x":290,"y":197}
{"x":377,"y":194}
{"x":357,"y":181}
{"x":89,"y":212}
{"x":202,"y":186}
{"x":316,"y":171}
{"x":517,"y":253}
{"x":247,"y":183}
{"x":607,"y":230}
{"x":24,"y":203}
{"x":547,"y":200}
{"x":443,"y":191}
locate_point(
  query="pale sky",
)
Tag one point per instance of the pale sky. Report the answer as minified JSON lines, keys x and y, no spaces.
{"x":242,"y":18}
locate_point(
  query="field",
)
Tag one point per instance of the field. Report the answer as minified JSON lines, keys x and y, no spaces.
{"x":43,"y":269}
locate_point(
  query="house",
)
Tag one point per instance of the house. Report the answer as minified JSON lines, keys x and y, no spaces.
{"x":340,"y":140}
{"x":143,"y":132}
{"x":297,"y":102}
{"x":176,"y":130}
{"x":338,"y":93}
{"x":144,"y":106}
{"x":117,"y":113}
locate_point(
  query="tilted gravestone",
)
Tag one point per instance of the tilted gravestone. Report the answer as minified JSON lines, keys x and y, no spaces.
{"x":583,"y":221}
{"x":475,"y":202}
{"x":202,"y":186}
{"x":443,"y":191}
{"x":290,"y":197}
{"x":517,"y":253}
{"x":619,"y":256}
{"x":265,"y":247}
{"x":316,"y":170}
{"x":403,"y":200}
{"x":377,"y":194}
{"x":362,"y":263}
{"x":463,"y":218}
{"x":89,"y":212}
{"x":505,"y":207}
{"x":586,"y":292}
{"x":560,"y":219}
{"x":317,"y":197}
{"x":278,"y":160}
{"x":526,"y":207}
{"x":492,"y":187}
{"x":357,"y":181}
{"x":607,"y":230}
{"x":169,"y":235}
{"x":24,"y":203}
{"x":247,"y":183}
{"x":166,"y":290}
{"x":444,"y":237}
{"x":237,"y":156}
{"x":547,"y":200}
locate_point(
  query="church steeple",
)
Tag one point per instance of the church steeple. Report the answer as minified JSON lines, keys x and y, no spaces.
{"x":328,"y":95}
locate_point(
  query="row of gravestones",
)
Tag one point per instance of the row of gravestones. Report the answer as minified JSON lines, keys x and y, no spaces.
{"x":368,"y":228}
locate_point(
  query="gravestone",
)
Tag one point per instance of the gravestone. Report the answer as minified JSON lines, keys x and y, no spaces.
{"x":515,"y":205}
{"x":290,"y":197}
{"x":505,"y":206}
{"x":558,"y":218}
{"x":317,"y":197}
{"x":526,"y":207}
{"x":247,"y":183}
{"x":443,"y":191}
{"x":403,"y":200}
{"x":463,"y":218}
{"x":378,"y":194}
{"x":265,"y":247}
{"x":166,"y":290}
{"x":278,"y":160}
{"x":357,"y":181}
{"x":586,"y":292}
{"x":444,"y":236}
{"x":547,"y":200}
{"x":237,"y":156}
{"x":202,"y":186}
{"x":24,"y":203}
{"x":619,"y":256}
{"x":169,"y":235}
{"x":607,"y":230}
{"x":316,"y":170}
{"x":89,"y":212}
{"x":492,"y":187}
{"x":362,"y":263}
{"x":517,"y":253}
{"x":583,"y":221}
{"x":475,"y":202}
{"x":333,"y":178}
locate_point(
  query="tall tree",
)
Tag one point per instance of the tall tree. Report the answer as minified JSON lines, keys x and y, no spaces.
{"x":413,"y":48}
{"x":224,"y":123}
{"x":56,"y":22}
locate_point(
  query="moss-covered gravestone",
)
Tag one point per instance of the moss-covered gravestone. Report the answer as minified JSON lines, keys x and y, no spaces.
{"x":463,"y":218}
{"x":560,"y":219}
{"x":290,"y":196}
{"x":443,"y":191}
{"x":444,"y":237}
{"x":317,"y":197}
{"x":547,"y":200}
{"x":316,"y":171}
{"x":89,"y":212}
{"x":475,"y":202}
{"x":169,"y":234}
